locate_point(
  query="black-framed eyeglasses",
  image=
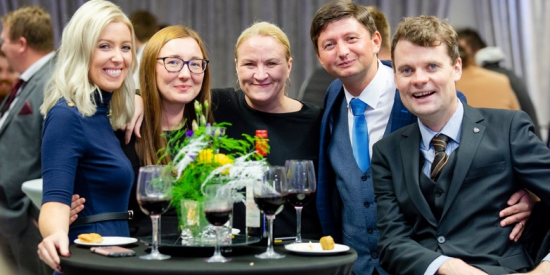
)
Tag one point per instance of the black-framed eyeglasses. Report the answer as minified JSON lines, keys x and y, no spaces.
{"x":175,"y":64}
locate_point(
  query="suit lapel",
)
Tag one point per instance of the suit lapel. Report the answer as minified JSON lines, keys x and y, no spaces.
{"x":410,"y":155}
{"x":27,"y":89}
{"x":21,"y":98}
{"x":471,"y":135}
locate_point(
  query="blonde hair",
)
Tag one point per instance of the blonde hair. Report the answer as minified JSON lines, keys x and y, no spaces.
{"x":265,"y":29}
{"x":70,"y":78}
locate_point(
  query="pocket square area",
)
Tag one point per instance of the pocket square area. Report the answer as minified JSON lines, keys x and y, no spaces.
{"x":27,"y":109}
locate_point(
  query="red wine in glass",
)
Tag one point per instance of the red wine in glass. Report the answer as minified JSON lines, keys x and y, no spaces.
{"x":217,"y":217}
{"x":154,"y":206}
{"x":271,"y":205}
{"x":300,"y":199}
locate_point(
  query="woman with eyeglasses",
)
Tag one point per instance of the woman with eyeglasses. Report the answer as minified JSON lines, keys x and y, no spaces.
{"x":173,"y":74}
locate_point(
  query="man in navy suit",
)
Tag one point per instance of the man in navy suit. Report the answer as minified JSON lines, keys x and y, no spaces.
{"x":346,"y":41}
{"x":440,"y":183}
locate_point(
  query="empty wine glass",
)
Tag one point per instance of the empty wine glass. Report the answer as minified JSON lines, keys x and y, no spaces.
{"x":217,"y":206}
{"x":154,"y":192}
{"x":300,"y":188}
{"x":270,"y":198}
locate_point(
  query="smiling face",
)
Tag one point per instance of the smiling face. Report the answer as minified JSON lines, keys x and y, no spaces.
{"x":348,"y":51}
{"x":425,"y":77}
{"x":262,"y":69}
{"x":112,"y":57}
{"x":180,"y":87}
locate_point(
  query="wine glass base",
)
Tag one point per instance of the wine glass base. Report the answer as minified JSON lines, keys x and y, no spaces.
{"x":157,"y":256}
{"x":217,"y":259}
{"x":270,"y":255}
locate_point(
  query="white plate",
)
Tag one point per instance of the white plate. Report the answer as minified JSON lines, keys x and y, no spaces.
{"x":109,"y":241}
{"x":315,"y":248}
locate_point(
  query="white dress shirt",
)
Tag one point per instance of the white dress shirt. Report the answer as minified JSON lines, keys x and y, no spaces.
{"x":379,"y":96}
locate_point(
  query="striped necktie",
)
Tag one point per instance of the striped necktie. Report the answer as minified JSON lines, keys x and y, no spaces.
{"x":439,"y":143}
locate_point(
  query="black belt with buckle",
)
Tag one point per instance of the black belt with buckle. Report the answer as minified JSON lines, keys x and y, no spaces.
{"x":104,"y":217}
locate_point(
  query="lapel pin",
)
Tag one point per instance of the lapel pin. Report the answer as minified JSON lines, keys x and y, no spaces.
{"x":476,"y":130}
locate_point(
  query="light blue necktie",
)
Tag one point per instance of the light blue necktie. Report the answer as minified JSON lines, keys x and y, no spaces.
{"x":360,"y":134}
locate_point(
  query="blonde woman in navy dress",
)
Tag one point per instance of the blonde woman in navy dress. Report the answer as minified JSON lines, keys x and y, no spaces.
{"x":90,"y":94}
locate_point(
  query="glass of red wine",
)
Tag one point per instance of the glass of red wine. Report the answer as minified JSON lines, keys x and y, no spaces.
{"x":300,"y":188}
{"x":270,"y":198}
{"x":217,"y":207}
{"x":154,"y":192}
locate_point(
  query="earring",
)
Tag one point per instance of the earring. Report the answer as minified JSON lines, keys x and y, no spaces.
{"x":288,"y":82}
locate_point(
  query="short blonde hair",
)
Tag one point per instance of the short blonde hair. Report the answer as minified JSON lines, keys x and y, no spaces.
{"x":70,"y":78}
{"x":265,"y":29}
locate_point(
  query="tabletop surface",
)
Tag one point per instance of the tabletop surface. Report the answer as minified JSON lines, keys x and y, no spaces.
{"x":191,"y":261}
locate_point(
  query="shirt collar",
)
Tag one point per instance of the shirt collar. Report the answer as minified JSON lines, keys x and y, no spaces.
{"x":451,"y":129}
{"x":27,"y":74}
{"x":373,"y":92}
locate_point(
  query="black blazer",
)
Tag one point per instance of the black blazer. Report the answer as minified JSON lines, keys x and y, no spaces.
{"x":498,"y":154}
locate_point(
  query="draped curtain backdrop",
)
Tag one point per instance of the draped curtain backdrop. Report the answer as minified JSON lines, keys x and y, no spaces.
{"x":219,"y":22}
{"x":520,"y":28}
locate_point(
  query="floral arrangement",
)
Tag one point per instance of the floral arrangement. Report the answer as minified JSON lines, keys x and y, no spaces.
{"x":198,"y":161}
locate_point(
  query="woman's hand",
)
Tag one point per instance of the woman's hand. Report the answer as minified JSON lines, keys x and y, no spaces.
{"x":77,"y":205}
{"x":520,"y":207}
{"x":135,"y":124}
{"x":54,"y":227}
{"x":48,"y":248}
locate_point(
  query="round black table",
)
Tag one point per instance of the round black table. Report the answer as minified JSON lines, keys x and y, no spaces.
{"x":191,"y":261}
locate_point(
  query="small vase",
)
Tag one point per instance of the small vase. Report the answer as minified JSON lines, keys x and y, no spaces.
{"x":195,"y":229}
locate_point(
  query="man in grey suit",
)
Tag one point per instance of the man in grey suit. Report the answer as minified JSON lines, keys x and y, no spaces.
{"x":28,"y":43}
{"x":441,"y":182}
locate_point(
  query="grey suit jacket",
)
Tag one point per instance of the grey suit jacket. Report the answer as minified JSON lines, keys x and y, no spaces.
{"x":20,"y":141}
{"x":498,"y":154}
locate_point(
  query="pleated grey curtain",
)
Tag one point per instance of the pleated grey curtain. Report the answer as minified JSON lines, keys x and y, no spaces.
{"x":521,"y":29}
{"x":219,"y":22}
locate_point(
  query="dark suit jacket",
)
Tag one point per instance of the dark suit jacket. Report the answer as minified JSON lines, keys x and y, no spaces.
{"x":20,"y":141}
{"x":498,"y":154}
{"x":328,"y":198}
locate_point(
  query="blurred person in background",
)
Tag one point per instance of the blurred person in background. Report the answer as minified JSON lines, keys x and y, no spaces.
{"x":8,"y":77}
{"x":28,"y":45}
{"x":145,"y":26}
{"x":490,"y":58}
{"x":484,"y":88}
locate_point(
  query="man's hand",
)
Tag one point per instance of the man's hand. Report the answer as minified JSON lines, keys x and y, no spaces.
{"x":456,"y":266}
{"x":77,"y":205}
{"x":542,"y":269}
{"x":135,"y":124}
{"x":520,"y":207}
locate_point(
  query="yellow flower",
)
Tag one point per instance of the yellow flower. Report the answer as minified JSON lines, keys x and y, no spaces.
{"x":222,"y":159}
{"x":207,"y":156}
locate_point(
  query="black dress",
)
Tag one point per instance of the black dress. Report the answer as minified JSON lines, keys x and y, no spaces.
{"x":291,"y":136}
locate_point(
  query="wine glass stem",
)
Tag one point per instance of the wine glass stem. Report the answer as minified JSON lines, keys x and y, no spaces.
{"x":298,"y":224}
{"x":155,"y":219}
{"x":270,"y":219}
{"x":217,"y":252}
